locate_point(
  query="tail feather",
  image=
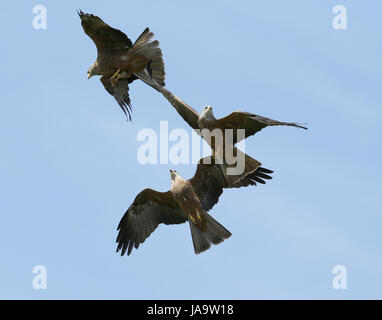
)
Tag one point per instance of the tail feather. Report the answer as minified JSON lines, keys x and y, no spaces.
{"x":244,"y":166}
{"x":251,"y":174}
{"x":145,"y":36}
{"x":150,"y":49}
{"x":213,"y":232}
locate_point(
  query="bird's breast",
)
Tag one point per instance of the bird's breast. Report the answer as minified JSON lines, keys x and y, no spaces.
{"x":205,"y":123}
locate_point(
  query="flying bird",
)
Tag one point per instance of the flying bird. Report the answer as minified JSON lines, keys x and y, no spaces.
{"x":187,"y":200}
{"x":206,"y":123}
{"x":119,"y":62}
{"x":250,"y":122}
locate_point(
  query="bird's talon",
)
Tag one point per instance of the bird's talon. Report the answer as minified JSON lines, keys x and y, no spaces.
{"x":115,"y":77}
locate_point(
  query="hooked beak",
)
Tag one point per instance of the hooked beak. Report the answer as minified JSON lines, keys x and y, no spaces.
{"x":89,"y":76}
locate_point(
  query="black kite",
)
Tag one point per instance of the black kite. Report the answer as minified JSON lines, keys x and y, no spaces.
{"x":119,"y":61}
{"x":187,"y":200}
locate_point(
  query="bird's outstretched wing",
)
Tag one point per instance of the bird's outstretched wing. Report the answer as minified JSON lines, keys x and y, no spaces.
{"x":252,"y":123}
{"x":120,"y":91}
{"x":185,"y":111}
{"x":106,"y":38}
{"x":210,"y":180}
{"x":149,"y":209}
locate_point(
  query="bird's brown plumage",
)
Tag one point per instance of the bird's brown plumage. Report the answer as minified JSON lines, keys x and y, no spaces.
{"x":107,"y":39}
{"x":119,"y":61}
{"x":252,"y":123}
{"x":189,"y":200}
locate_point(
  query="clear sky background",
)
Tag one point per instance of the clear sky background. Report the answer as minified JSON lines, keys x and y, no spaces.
{"x":68,"y":166}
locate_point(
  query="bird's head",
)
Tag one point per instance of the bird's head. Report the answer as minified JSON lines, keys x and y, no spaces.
{"x":93,"y":70}
{"x":207,"y":113}
{"x":173,"y":174}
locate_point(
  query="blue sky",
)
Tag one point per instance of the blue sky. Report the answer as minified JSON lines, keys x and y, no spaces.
{"x":68,"y":167}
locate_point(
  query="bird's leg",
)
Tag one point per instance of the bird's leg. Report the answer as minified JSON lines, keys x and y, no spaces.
{"x":115,"y":77}
{"x":216,"y":152}
{"x":192,"y":219}
{"x":196,"y":219}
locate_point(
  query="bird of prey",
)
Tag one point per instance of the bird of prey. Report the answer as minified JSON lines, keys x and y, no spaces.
{"x":187,"y":200}
{"x":250,"y":122}
{"x":119,"y":61}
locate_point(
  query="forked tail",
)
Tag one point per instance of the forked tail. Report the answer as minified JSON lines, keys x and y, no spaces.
{"x":150,"y":49}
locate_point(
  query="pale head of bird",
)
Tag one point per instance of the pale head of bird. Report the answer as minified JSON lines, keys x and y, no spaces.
{"x":173,"y":175}
{"x":207,"y":113}
{"x":94,"y":70}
